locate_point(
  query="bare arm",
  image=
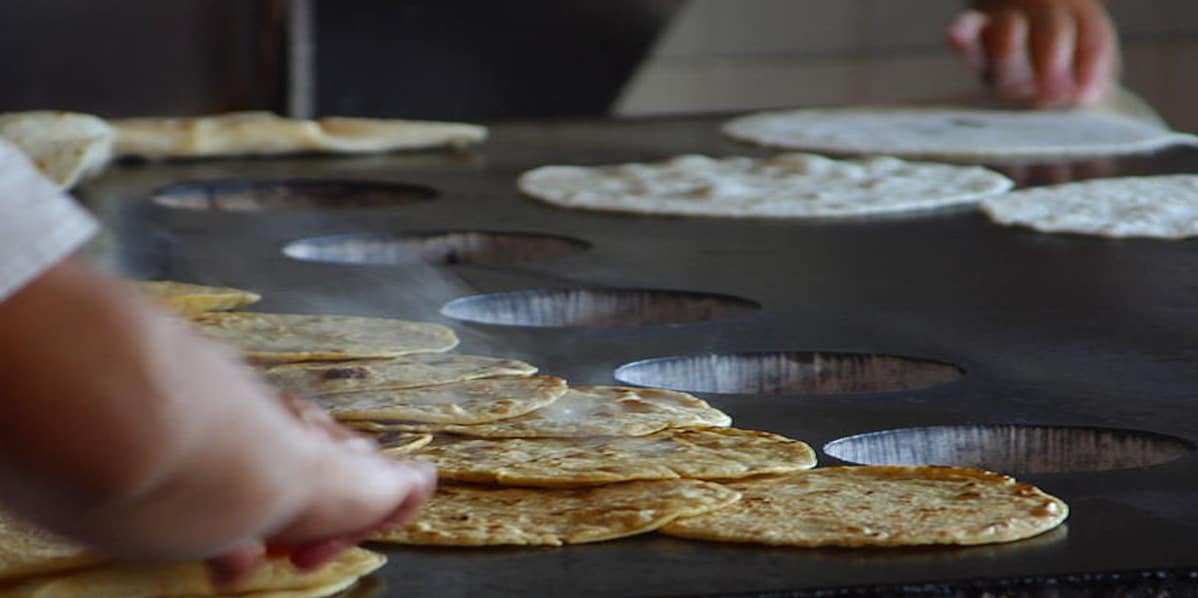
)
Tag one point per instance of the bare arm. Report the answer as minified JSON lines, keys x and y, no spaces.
{"x":122,"y":428}
{"x":1048,"y":53}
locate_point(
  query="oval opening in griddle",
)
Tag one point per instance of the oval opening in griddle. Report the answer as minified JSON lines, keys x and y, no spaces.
{"x":596,"y":308}
{"x":787,"y":373}
{"x":452,"y":247}
{"x":1013,"y":449}
{"x":271,"y":196}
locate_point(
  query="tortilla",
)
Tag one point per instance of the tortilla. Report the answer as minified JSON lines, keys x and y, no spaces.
{"x":783,"y":186}
{"x":402,"y":444}
{"x":481,"y":516}
{"x":286,"y":337}
{"x":275,"y":578}
{"x":263,"y":133}
{"x":470,"y":402}
{"x":409,"y":371}
{"x":955,"y":133}
{"x":65,"y":146}
{"x":879,"y":506}
{"x":585,"y":411}
{"x":191,"y":299}
{"x":692,"y":453}
{"x":1158,"y":206}
{"x":26,"y":551}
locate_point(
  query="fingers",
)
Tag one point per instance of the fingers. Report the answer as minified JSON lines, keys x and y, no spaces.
{"x":1052,"y":37}
{"x":354,"y":492}
{"x":226,"y":569}
{"x":1096,"y":57}
{"x":1005,"y":42}
{"x":1048,"y":53}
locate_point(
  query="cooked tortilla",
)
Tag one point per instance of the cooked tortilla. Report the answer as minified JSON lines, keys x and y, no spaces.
{"x":66,"y":147}
{"x":263,"y":133}
{"x":275,"y":578}
{"x":287,"y":338}
{"x":26,"y":551}
{"x":483,"y":516}
{"x":955,"y":133}
{"x":878,"y":506}
{"x":470,"y":402}
{"x":585,"y":411}
{"x":691,"y":453}
{"x":783,"y":186}
{"x":192,"y":299}
{"x":409,"y":371}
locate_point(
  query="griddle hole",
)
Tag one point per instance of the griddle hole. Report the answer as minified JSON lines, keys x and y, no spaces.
{"x":596,"y":308}
{"x":788,"y":373}
{"x":1014,"y":449}
{"x":461,"y":247}
{"x":272,"y":196}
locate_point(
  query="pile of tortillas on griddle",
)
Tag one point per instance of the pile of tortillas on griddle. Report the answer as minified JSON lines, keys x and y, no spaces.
{"x":69,"y":147}
{"x":526,"y":459}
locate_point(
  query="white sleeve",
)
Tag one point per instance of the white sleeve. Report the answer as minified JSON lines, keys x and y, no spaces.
{"x":39,"y":225}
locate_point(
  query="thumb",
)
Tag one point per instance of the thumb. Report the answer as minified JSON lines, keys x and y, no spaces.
{"x":354,"y":490}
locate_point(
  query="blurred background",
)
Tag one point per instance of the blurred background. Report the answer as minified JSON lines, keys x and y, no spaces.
{"x":458,"y":59}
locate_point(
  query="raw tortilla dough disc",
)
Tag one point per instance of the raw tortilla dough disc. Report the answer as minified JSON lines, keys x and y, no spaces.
{"x":783,"y":186}
{"x":191,"y":299}
{"x":287,"y":337}
{"x":691,"y":453}
{"x":409,"y":371}
{"x":470,"y":402}
{"x":263,"y":133}
{"x":879,"y":506}
{"x":66,"y":147}
{"x":585,"y":411}
{"x":955,"y":133}
{"x":484,"y":516}
{"x":274,"y":578}
{"x":1158,"y":206}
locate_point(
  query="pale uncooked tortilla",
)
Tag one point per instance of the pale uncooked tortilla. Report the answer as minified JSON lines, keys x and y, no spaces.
{"x":784,"y":186}
{"x":263,"y":133}
{"x":1159,"y":206}
{"x":65,"y":146}
{"x":961,"y":133}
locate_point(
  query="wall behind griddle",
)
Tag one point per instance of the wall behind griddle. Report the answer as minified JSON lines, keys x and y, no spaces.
{"x":720,"y":55}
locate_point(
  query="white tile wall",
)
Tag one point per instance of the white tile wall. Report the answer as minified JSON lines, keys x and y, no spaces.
{"x":727,"y":55}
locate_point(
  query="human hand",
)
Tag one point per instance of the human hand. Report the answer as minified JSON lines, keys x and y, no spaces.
{"x":122,"y":428}
{"x":1046,"y":53}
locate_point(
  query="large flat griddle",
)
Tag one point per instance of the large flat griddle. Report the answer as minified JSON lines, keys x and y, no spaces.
{"x":1050,"y":330}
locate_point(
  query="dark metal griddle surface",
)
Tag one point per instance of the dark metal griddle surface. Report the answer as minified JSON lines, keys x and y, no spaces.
{"x":1051,"y":330}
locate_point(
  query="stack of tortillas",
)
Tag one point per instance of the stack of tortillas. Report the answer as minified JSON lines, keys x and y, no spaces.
{"x":263,"y":133}
{"x":36,"y":564}
{"x":526,"y":460}
{"x":69,"y":147}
